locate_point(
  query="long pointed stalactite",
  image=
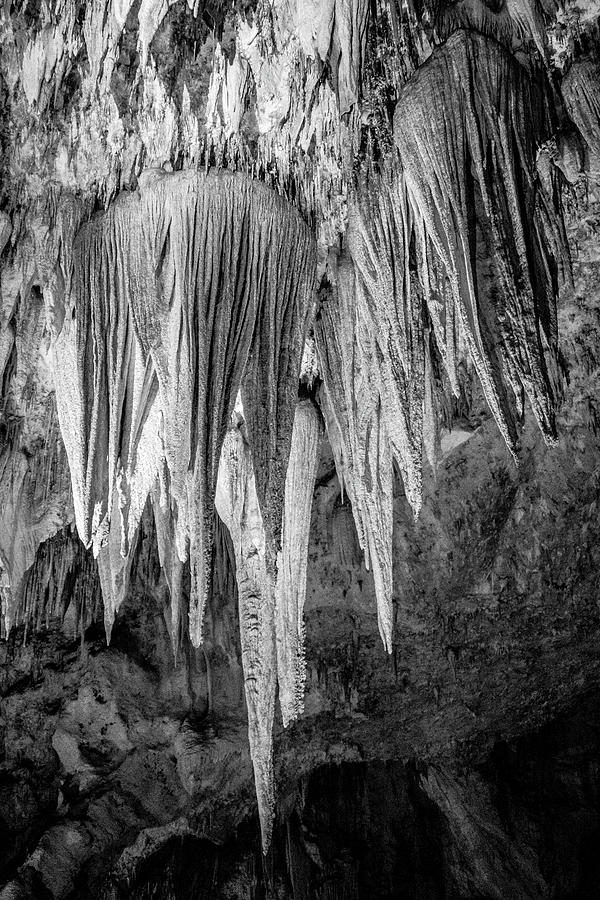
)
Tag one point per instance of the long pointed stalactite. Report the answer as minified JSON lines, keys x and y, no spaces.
{"x":356,"y":427}
{"x":237,"y":504}
{"x":271,"y":606}
{"x":292,"y":560}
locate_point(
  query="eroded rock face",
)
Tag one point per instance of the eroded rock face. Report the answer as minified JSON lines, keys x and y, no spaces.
{"x":369,"y":244}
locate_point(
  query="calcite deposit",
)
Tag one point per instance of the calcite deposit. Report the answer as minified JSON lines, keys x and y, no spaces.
{"x":298,"y":343}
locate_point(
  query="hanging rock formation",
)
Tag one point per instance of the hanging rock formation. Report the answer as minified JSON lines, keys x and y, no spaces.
{"x":271,"y":608}
{"x":159,"y":318}
{"x":356,"y":427}
{"x":391,"y":304}
{"x":461,"y":241}
{"x":238,"y":506}
{"x":184,"y":188}
{"x":466,"y":126}
{"x":292,"y":560}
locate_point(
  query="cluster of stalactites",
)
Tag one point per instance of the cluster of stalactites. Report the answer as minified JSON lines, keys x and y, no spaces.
{"x":491,"y":246}
{"x":356,"y":426}
{"x":374,"y":360}
{"x":270,"y":605}
{"x":460,"y":247}
{"x":162,"y":306}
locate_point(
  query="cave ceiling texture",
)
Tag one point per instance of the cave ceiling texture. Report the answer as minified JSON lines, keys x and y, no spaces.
{"x":300,"y":449}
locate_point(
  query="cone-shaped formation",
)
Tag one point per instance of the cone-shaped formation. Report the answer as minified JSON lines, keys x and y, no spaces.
{"x":61,"y":585}
{"x":293,"y":559}
{"x":461,"y":242}
{"x":237,"y":504}
{"x":170,"y":563}
{"x":113,"y":569}
{"x":355,"y":422}
{"x":392,"y":309}
{"x":271,"y":611}
{"x":466,"y":126}
{"x":164,"y":302}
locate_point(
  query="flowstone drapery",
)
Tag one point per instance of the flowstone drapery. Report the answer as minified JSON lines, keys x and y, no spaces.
{"x":467,"y":126}
{"x":455,"y":241}
{"x":195,"y":291}
{"x":163,"y":305}
{"x":355,"y":422}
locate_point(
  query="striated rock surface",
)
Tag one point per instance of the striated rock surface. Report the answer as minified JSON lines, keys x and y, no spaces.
{"x":298,"y":355}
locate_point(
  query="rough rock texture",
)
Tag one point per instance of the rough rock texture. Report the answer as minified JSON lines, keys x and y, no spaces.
{"x":172,"y":177}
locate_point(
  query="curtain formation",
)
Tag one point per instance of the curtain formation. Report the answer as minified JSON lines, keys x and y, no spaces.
{"x":179,"y":316}
{"x":456,"y":247}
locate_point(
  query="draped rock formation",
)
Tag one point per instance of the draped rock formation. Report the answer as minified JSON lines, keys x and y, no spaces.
{"x":357,"y":431}
{"x":457,"y":239}
{"x":292,"y":559}
{"x":271,"y":608}
{"x":162,"y":309}
{"x":467,"y":126}
{"x":193,"y":194}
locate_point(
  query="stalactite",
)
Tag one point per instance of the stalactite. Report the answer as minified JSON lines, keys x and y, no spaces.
{"x":113,"y":569}
{"x":293,"y":559}
{"x":355,"y":420}
{"x":180,"y":280}
{"x":237,"y":504}
{"x":269,"y":415}
{"x":531,"y":18}
{"x":379,"y":237}
{"x":92,"y":353}
{"x":350,"y":27}
{"x":271,"y":612}
{"x":461,"y":239}
{"x":170,"y":562}
{"x":466,"y":126}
